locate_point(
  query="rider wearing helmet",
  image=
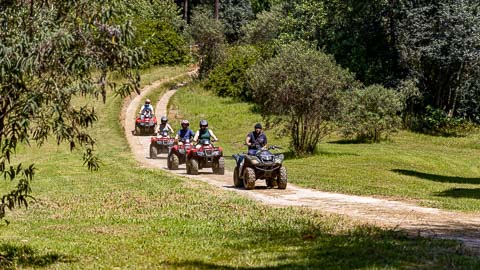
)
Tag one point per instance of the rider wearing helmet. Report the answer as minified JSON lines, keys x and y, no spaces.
{"x":185,"y":133}
{"x":255,"y":139}
{"x":146,"y":108}
{"x":164,"y":126}
{"x":204,"y":133}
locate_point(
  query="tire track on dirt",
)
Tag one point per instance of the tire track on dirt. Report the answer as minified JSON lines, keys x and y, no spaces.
{"x":413,"y":219}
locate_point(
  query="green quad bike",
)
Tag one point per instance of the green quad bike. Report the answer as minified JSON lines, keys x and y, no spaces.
{"x":260,"y":165}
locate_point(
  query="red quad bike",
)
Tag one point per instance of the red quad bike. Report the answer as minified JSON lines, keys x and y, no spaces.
{"x":177,"y":154}
{"x":206,"y":156}
{"x":262,"y":165}
{"x":145,"y":125}
{"x":160,"y":144}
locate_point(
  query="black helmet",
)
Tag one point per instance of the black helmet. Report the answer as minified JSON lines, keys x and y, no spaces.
{"x":164,"y":119}
{"x":203,"y":123}
{"x":258,"y":125}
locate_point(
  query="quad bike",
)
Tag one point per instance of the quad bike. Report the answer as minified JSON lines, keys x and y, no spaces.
{"x":160,"y":144}
{"x":145,"y":124}
{"x":263,"y":165}
{"x":177,"y":154}
{"x":205,"y":156}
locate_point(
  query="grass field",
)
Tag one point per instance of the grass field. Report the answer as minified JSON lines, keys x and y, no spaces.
{"x":431,"y":171}
{"x":127,"y":217}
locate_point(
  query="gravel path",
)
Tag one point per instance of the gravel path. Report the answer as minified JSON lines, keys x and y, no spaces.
{"x":404,"y":216}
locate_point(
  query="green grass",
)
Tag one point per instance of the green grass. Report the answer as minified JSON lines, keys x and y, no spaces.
{"x":128,"y":217}
{"x":431,"y":171}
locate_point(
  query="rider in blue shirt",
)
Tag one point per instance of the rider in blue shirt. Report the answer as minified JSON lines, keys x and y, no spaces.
{"x":184,"y":133}
{"x":256,"y":139}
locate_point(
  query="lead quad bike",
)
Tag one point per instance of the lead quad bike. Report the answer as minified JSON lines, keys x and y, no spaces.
{"x":263,"y":165}
{"x":177,"y":154}
{"x":160,"y":144}
{"x":205,"y":156}
{"x":145,"y":124}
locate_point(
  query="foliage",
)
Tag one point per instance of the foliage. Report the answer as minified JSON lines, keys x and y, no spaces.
{"x":158,"y":31}
{"x":49,"y":52}
{"x":439,"y":44}
{"x":299,"y":84}
{"x":264,"y":29}
{"x":230,"y":77}
{"x":371,"y":112}
{"x":234,"y":14}
{"x":207,"y":34}
{"x":162,"y":43}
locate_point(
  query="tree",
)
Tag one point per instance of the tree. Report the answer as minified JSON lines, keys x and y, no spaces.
{"x":234,"y":14}
{"x":439,"y":44}
{"x":159,"y":31}
{"x":207,"y":34}
{"x":50,"y":52}
{"x":299,"y":85}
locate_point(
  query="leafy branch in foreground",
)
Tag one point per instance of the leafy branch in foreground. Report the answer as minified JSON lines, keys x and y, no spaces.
{"x":51,"y":52}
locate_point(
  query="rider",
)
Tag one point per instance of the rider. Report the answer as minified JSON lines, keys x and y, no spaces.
{"x":204,"y":133}
{"x":256,"y":139}
{"x":185,"y":133}
{"x":164,"y":126}
{"x":147,"y":107}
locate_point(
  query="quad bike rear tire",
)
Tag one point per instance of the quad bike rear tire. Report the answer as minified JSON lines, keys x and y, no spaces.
{"x":193,"y":166}
{"x":249,"y":178}
{"x":220,"y":166}
{"x":282,"y":178}
{"x":237,"y":182}
{"x":138,"y":131}
{"x":174,"y":161}
{"x":153,"y":152}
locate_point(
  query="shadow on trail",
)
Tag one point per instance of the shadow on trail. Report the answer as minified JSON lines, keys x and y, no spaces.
{"x":439,"y":178}
{"x":361,"y":248}
{"x":473,"y":193}
{"x":13,"y":256}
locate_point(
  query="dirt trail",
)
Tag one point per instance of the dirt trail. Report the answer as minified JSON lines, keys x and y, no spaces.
{"x":408,"y":217}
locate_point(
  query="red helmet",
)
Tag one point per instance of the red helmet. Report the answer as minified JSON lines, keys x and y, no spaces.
{"x":185,"y":122}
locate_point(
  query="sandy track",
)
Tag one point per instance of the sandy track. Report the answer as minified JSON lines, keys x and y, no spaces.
{"x":408,"y":217}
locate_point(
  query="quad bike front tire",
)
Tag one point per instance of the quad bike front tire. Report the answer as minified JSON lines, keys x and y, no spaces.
{"x":193,"y":166}
{"x":174,"y":161}
{"x":138,"y":131}
{"x":237,"y":182}
{"x":220,"y":166}
{"x":153,"y":152}
{"x":249,"y":178}
{"x":282,"y":178}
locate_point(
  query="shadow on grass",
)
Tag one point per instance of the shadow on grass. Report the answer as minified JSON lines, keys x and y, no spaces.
{"x":12,"y":256}
{"x":439,"y":178}
{"x":473,"y":193}
{"x":362,"y":248}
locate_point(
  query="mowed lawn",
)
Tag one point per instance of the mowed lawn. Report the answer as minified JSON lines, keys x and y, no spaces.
{"x":128,"y":217}
{"x":441,"y":172}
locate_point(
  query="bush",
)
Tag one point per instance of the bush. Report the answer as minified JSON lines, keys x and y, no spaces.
{"x":230,"y":77}
{"x":435,"y":121}
{"x":299,"y":85}
{"x":369,"y":113}
{"x":163,"y":45}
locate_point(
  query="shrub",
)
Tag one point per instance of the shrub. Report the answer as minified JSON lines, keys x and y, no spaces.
{"x":299,"y":85}
{"x":230,"y":77}
{"x":370,"y":112}
{"x":163,"y":45}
